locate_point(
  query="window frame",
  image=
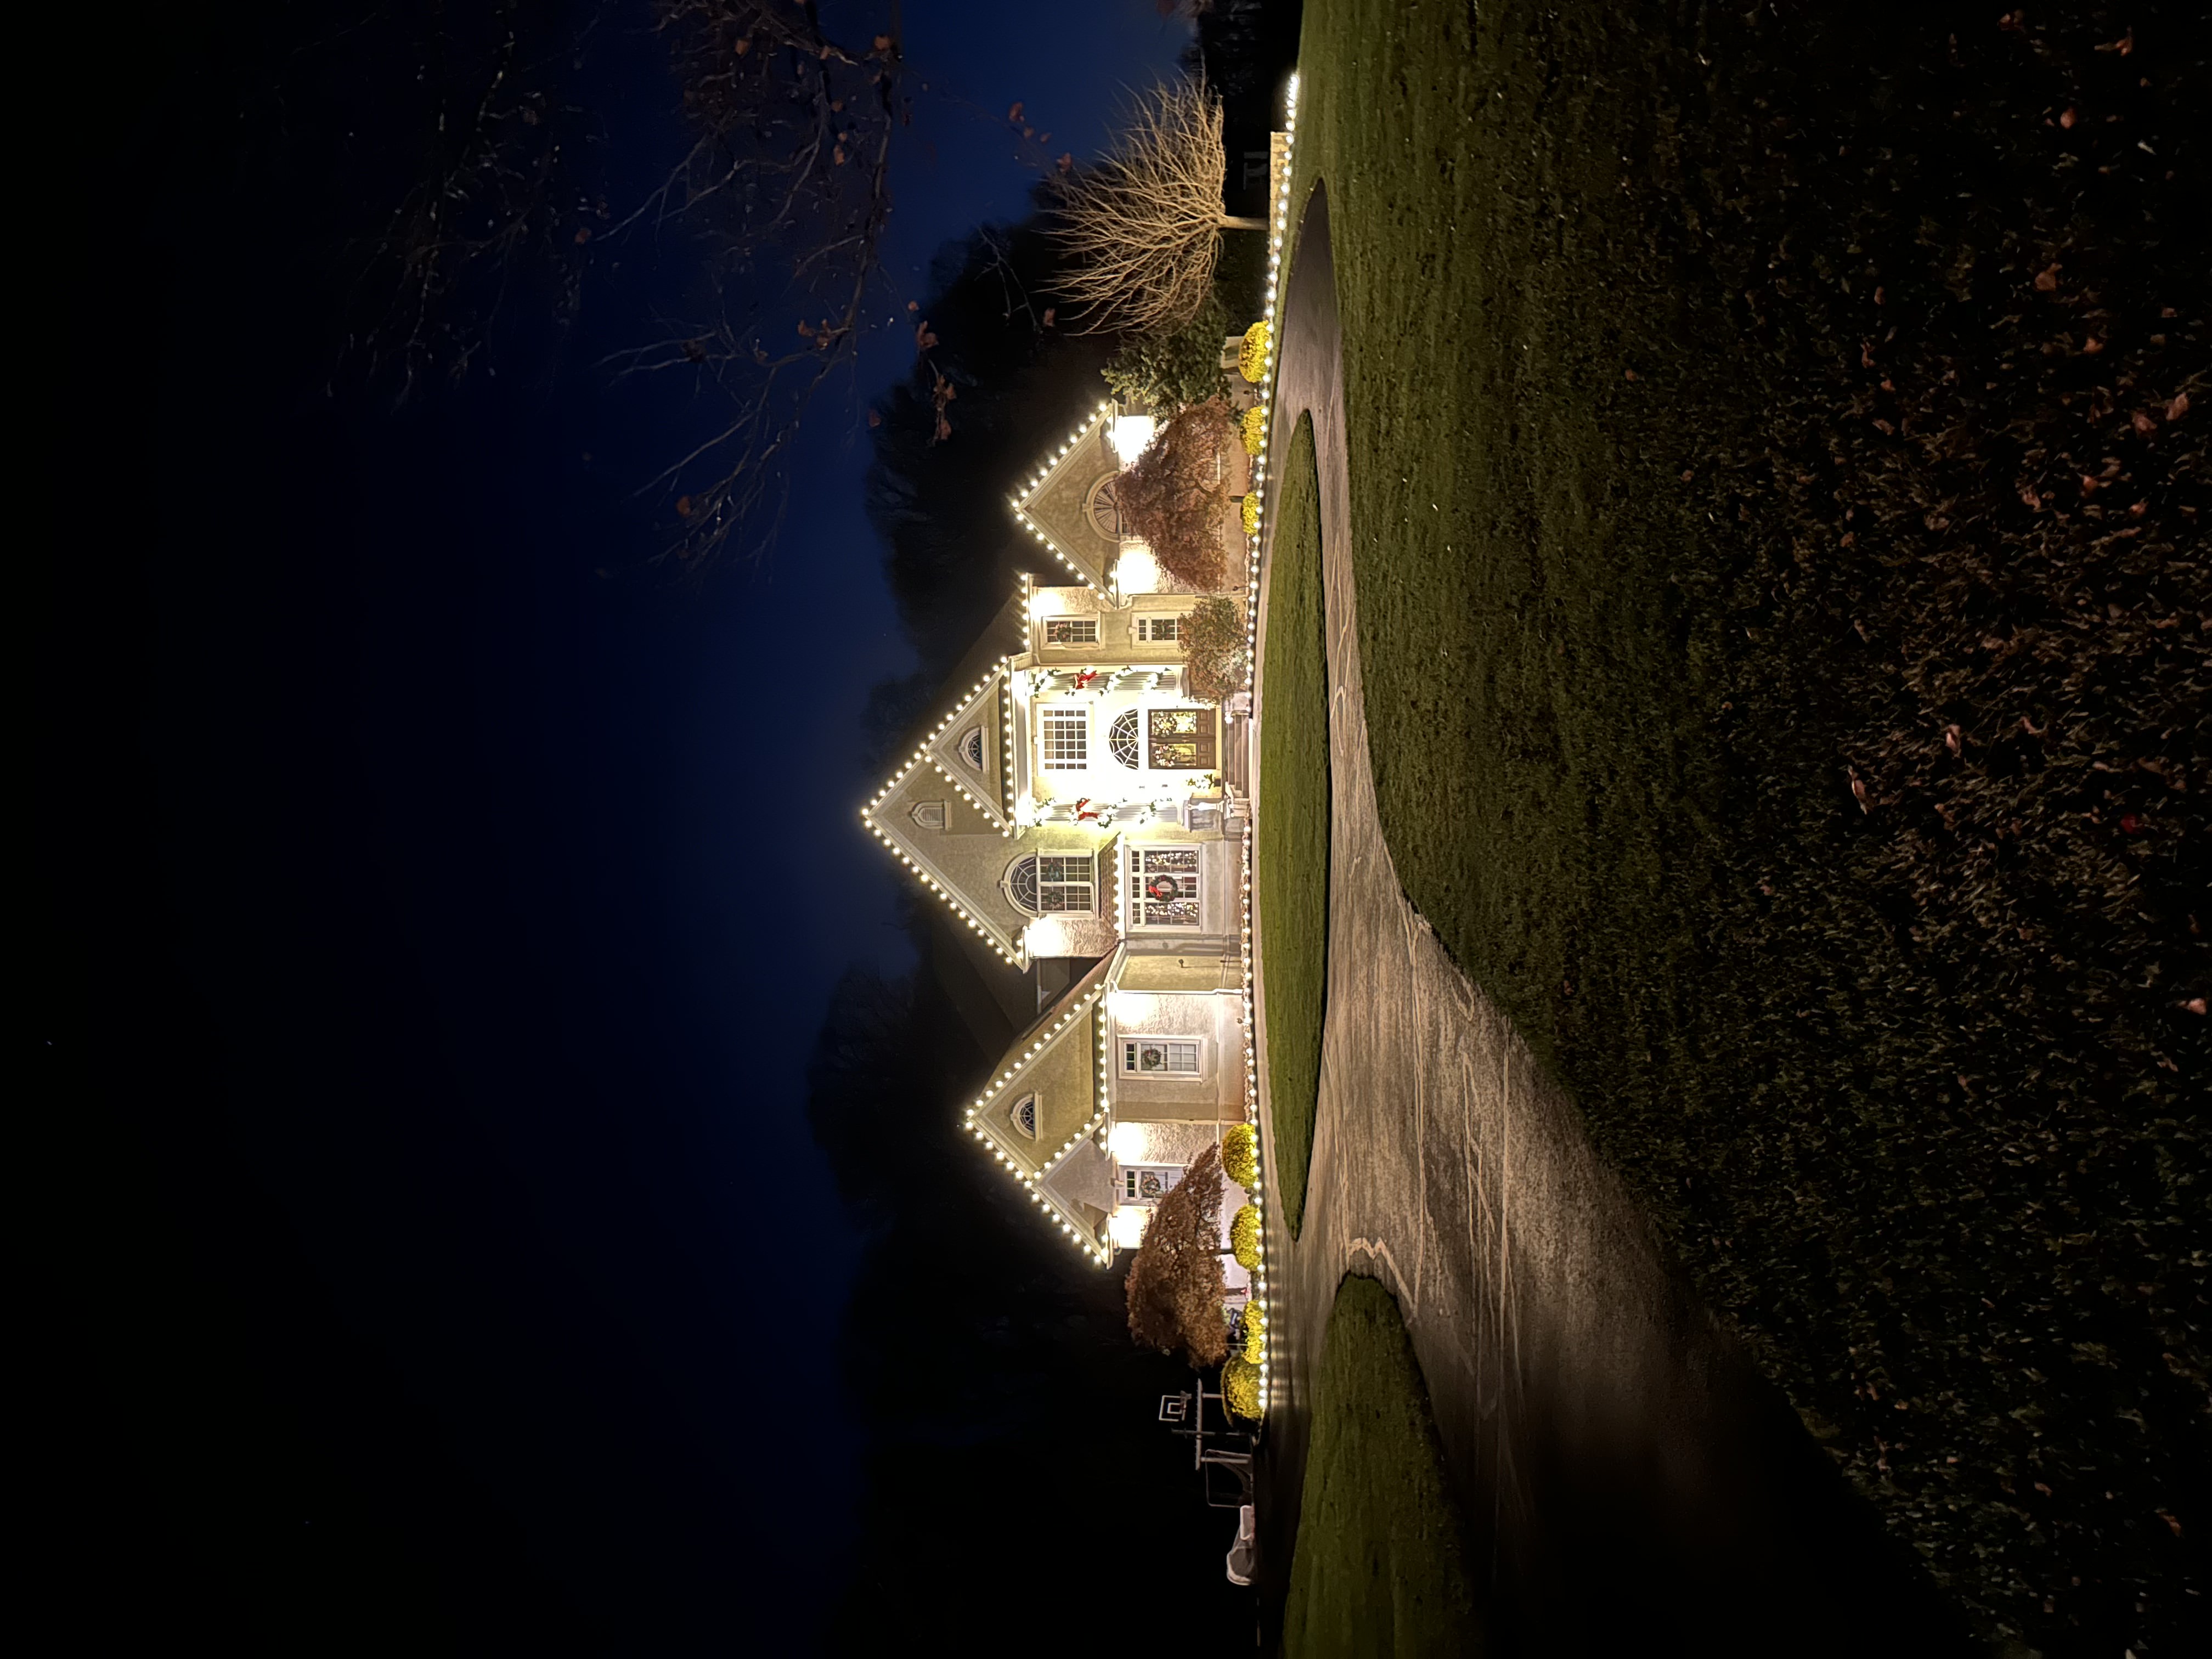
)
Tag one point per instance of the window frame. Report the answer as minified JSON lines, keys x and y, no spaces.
{"x":1132,"y":1041}
{"x":1150,"y":620}
{"x":1064,"y":715}
{"x":1088,"y":884}
{"x":1140,"y":900}
{"x":1075,"y":625}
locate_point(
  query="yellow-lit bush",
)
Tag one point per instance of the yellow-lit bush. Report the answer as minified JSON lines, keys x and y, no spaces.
{"x":1244,"y":1236}
{"x":1255,"y":428}
{"x":1240,"y":1388}
{"x":1255,"y":1332}
{"x":1252,"y":514}
{"x":1252,"y":355}
{"x":1240,"y":1155}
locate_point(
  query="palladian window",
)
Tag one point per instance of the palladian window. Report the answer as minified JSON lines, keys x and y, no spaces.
{"x":1024,"y":1115}
{"x":1050,"y":884}
{"x":971,"y":746}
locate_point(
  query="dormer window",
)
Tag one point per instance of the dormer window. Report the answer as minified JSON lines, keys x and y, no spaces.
{"x":971,"y":746}
{"x":1024,"y":1116}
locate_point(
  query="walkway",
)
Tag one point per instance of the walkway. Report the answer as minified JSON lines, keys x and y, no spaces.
{"x":1632,"y":1484}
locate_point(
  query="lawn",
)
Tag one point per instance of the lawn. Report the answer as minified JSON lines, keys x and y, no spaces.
{"x":1381,"y":1565}
{"x":1292,"y":855}
{"x":1774,"y":504}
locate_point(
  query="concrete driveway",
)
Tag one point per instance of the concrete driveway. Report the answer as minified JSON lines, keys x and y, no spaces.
{"x":1632,"y":1483}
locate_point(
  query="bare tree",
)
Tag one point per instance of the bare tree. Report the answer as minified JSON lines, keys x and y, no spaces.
{"x":789,"y":174}
{"x":1143,"y":227}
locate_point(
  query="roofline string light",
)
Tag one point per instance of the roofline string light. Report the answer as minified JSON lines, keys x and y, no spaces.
{"x":1029,"y":1179}
{"x":1029,"y":490}
{"x":1280,"y":215}
{"x":921,"y":752}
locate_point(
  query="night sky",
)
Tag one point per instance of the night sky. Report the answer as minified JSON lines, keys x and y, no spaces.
{"x":442,"y":901}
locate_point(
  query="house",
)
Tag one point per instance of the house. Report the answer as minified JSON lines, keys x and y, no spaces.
{"x":1085,"y":818}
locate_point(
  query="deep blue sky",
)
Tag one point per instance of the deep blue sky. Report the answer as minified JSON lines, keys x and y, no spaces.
{"x":496,"y":889}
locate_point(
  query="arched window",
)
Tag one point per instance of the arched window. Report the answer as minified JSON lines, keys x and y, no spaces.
{"x":1121,"y":737}
{"x":1024,"y":1115}
{"x":1105,"y":507}
{"x":1048,"y":883}
{"x":971,"y":746}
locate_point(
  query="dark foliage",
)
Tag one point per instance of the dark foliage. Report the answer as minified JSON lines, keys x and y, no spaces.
{"x":987,"y":1361}
{"x":941,"y":507}
{"x":1170,"y":371}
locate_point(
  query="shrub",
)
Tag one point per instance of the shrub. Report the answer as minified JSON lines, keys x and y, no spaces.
{"x":1175,"y":1288}
{"x":1244,"y":1236}
{"x":1173,"y":495}
{"x":1252,"y":355}
{"x":1252,"y":514}
{"x":1214,"y":653}
{"x":1255,"y":428}
{"x":1175,"y":369}
{"x":1240,"y":1155}
{"x":1255,"y":1332}
{"x":1240,"y":1388}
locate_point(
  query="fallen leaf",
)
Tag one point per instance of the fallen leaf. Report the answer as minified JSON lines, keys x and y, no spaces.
{"x":2092,"y":345}
{"x":2068,"y":118}
{"x":2144,"y":423}
{"x":2195,"y":1005}
{"x":2178,"y":407}
{"x":1951,"y":738}
{"x":2046,"y":280}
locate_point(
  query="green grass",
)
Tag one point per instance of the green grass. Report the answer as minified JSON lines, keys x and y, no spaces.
{"x":1713,"y":455}
{"x":1381,"y":1562}
{"x":1292,"y":855}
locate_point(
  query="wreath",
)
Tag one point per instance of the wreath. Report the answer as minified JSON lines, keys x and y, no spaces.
{"x":1162,"y":888}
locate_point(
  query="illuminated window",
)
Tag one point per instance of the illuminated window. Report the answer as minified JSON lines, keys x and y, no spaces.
{"x":1159,"y":630}
{"x":1104,"y":509}
{"x":1066,"y":738}
{"x":1071,"y":630}
{"x":1182,"y":739}
{"x":1051,"y":883}
{"x":1163,"y":886}
{"x":1024,"y":1115}
{"x":971,"y":746}
{"x":1148,"y":1183}
{"x":1160,"y":1056}
{"x":1121,"y":739}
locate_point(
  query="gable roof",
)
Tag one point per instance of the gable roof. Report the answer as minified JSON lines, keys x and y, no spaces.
{"x":981,"y":708}
{"x":1051,"y":504}
{"x":1058,"y":1065}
